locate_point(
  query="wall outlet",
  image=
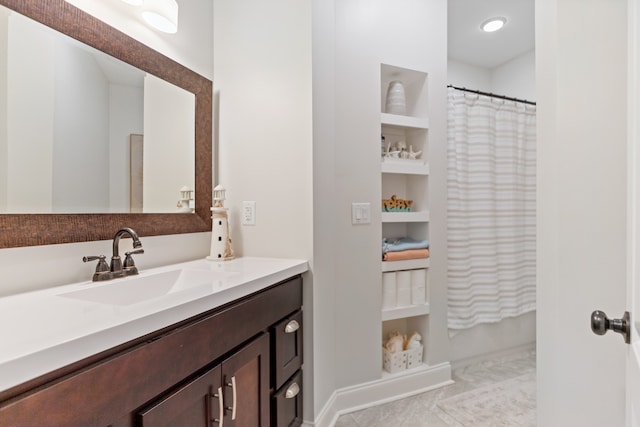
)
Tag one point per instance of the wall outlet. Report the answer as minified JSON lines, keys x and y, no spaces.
{"x":248,"y":213}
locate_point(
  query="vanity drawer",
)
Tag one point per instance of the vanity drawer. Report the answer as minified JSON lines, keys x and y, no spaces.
{"x":286,"y":404}
{"x":287,"y":346}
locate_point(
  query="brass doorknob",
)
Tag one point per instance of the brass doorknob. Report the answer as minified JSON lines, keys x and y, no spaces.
{"x":600,"y":324}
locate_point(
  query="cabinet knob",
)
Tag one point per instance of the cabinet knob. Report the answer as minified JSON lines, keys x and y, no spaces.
{"x":291,"y":327}
{"x":292,"y":391}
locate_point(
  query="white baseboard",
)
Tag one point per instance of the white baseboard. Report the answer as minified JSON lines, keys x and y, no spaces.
{"x":386,"y":389}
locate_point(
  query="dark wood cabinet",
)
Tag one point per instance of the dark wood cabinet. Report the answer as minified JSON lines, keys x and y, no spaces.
{"x":182,"y":375}
{"x":237,"y":390}
{"x":189,"y":405}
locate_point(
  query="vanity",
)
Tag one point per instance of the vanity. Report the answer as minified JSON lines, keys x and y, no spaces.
{"x":199,"y":343}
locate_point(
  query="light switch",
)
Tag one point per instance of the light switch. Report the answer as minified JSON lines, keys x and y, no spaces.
{"x":360,"y":213}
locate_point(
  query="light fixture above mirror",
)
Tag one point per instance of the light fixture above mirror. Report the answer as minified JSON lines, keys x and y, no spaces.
{"x":159,"y":14}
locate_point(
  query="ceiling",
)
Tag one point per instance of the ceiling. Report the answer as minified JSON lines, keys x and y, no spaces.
{"x":468,"y":44}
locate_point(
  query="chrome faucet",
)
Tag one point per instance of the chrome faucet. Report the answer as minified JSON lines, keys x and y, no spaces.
{"x":117,"y":267}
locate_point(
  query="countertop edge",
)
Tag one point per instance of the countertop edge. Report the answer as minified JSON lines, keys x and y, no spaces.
{"x":25,"y":368}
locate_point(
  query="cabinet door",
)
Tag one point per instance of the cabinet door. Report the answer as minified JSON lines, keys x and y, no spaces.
{"x":246,"y":385}
{"x":194,"y":404}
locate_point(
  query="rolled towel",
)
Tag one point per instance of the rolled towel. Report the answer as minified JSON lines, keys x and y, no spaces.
{"x":388,"y":290}
{"x":403,"y":288}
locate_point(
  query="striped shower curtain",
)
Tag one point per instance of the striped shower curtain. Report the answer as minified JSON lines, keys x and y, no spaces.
{"x":491,"y":151}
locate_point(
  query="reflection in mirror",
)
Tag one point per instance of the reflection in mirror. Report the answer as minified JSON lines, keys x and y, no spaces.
{"x":72,"y":112}
{"x":23,"y":229}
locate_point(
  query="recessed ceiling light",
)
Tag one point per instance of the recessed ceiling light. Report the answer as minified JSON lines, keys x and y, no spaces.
{"x":133,"y":2}
{"x":493,"y":24}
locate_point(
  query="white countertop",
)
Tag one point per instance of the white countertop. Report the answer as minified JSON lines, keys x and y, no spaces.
{"x":45,"y":330}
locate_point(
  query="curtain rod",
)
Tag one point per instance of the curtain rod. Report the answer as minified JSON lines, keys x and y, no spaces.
{"x":493,"y":95}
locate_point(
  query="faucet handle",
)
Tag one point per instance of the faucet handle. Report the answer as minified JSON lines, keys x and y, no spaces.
{"x":102,"y":269}
{"x":135,"y":251}
{"x":129,"y":266}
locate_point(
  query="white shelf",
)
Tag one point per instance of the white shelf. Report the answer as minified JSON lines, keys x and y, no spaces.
{"x":413,"y":179}
{"x":409,"y":264}
{"x":404,"y":166}
{"x":404,"y":121}
{"x":408,"y":311}
{"x":420,"y":216}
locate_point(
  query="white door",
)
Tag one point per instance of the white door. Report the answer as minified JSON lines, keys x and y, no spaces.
{"x":581,"y":79}
{"x":633,"y":255}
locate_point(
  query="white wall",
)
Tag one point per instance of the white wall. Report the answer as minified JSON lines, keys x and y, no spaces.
{"x":325,"y":185}
{"x":126,"y":111}
{"x":515,"y":78}
{"x":169,"y":151}
{"x":30,"y":123}
{"x":470,"y":76}
{"x":80,"y":175}
{"x":29,"y":268}
{"x":351,"y":40}
{"x":262,"y":83}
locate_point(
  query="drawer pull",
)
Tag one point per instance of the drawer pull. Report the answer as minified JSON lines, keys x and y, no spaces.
{"x":291,"y":327}
{"x":234,"y":405}
{"x":292,"y":391}
{"x":219,"y":395}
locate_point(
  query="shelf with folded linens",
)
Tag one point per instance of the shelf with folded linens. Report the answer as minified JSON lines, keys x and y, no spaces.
{"x":404,"y":248}
{"x":405,"y":219}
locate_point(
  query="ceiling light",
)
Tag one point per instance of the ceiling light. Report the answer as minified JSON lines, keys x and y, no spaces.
{"x":133,"y":2}
{"x":493,"y":24}
{"x":162,"y":15}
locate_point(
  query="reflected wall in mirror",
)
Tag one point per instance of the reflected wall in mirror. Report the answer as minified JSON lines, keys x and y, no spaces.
{"x":76,"y":107}
{"x":179,"y":129}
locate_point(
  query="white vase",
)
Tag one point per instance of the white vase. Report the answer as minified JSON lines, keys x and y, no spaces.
{"x":396,"y":101}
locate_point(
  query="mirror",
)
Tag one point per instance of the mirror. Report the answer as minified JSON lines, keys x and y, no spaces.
{"x":160,"y":74}
{"x":109,"y":137}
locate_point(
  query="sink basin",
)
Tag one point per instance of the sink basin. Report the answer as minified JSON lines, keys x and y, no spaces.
{"x":136,"y":289}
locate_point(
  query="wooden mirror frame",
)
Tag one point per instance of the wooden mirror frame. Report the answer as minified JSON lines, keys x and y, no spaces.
{"x":44,"y":229}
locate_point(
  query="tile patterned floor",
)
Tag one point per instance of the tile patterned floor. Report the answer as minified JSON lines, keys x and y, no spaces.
{"x":422,"y":411}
